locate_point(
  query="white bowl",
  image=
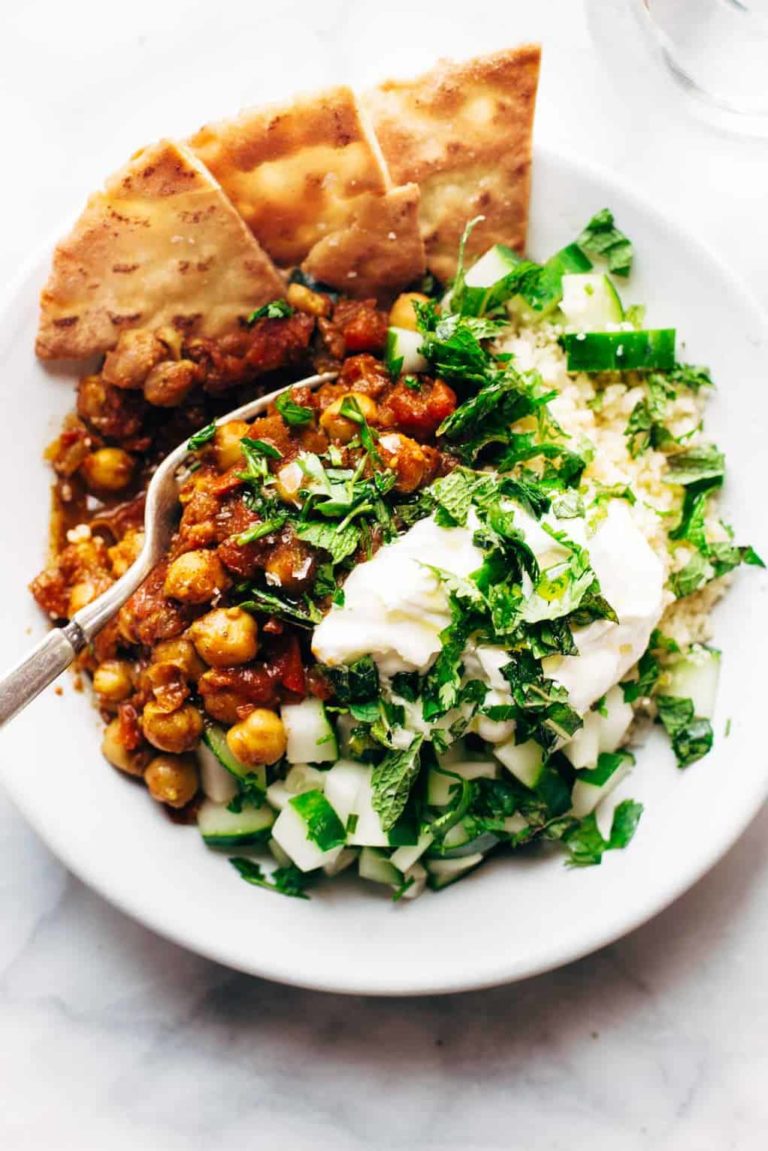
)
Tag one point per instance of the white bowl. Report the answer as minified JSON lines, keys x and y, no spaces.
{"x":516,"y":916}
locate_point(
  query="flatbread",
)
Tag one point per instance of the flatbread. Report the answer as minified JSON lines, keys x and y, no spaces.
{"x":160,"y":245}
{"x":462,"y":132}
{"x":294,"y":172}
{"x":379,"y":252}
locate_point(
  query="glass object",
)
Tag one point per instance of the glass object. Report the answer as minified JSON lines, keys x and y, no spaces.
{"x":718,"y":51}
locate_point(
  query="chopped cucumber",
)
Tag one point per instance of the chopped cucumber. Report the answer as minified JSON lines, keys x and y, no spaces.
{"x":215,"y":738}
{"x":278,"y":854}
{"x":405,"y":857}
{"x":221,"y":827}
{"x":490,"y":281}
{"x":311,"y":739}
{"x":278,"y":795}
{"x":616,"y":720}
{"x":494,"y":279}
{"x":590,"y":302}
{"x":592,"y":786}
{"x":309,"y":831}
{"x":342,"y":784}
{"x":402,"y":354}
{"x":218,"y":784}
{"x":348,"y":790}
{"x":694,"y":676}
{"x":602,"y":730}
{"x":440,"y":783}
{"x":343,"y":860}
{"x":584,"y":746}
{"x":620,"y":351}
{"x":524,"y":760}
{"x":376,"y":866}
{"x":460,"y":840}
{"x":445,"y":871}
{"x":301,"y":777}
{"x":516,"y":824}
{"x":414,"y":881}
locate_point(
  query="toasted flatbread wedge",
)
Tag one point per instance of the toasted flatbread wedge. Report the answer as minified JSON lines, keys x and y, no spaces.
{"x":294,"y":172}
{"x":161,"y":244}
{"x":462,"y":132}
{"x":379,"y":252}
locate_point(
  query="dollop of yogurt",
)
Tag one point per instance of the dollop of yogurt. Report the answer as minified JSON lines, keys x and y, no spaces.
{"x":395,"y":606}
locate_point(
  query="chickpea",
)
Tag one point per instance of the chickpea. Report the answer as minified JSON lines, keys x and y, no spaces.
{"x":291,"y":566}
{"x":113,"y":750}
{"x":174,"y":731}
{"x":289,"y":481}
{"x":135,"y":354}
{"x":405,"y":458}
{"x":226,"y":444}
{"x":122,"y":554}
{"x":341,"y":427}
{"x":82,"y":593}
{"x":226,"y":636}
{"x":113,"y":680}
{"x":305,"y":300}
{"x":403,"y":313}
{"x":181,"y":653}
{"x":169,"y":383}
{"x":172,"y":779}
{"x":259,"y":738}
{"x":107,"y":470}
{"x":195,"y":577}
{"x":222,"y":704}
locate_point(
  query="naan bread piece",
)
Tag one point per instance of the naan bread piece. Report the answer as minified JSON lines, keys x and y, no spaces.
{"x":161,"y":244}
{"x":379,"y":252}
{"x":462,"y":132}
{"x":294,"y":172}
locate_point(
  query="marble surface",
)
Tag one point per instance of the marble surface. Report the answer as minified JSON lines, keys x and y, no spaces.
{"x":111,"y":1038}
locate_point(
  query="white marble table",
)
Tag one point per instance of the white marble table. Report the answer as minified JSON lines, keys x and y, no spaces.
{"x":111,"y":1038}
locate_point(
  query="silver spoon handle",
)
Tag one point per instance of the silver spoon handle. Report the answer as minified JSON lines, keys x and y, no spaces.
{"x":45,"y":662}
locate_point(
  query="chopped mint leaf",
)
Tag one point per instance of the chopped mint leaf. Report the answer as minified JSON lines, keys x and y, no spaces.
{"x":690,"y":376}
{"x":283,"y":880}
{"x":406,"y":685}
{"x":649,"y":668}
{"x":275,"y":310}
{"x":201,"y":438}
{"x":585,"y":842}
{"x":691,"y":735}
{"x":339,"y":542}
{"x":355,"y":683}
{"x":392,"y":780}
{"x":699,"y":462}
{"x":295,"y":415}
{"x":268,"y":603}
{"x":602,"y":239}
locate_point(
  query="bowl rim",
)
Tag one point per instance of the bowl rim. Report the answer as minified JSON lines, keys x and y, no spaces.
{"x":507,"y":969}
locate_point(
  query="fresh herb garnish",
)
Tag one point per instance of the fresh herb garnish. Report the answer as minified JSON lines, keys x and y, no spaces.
{"x":392,"y":780}
{"x":283,"y":880}
{"x":201,"y":438}
{"x":602,"y":239}
{"x":275,"y":310}
{"x":295,"y":415}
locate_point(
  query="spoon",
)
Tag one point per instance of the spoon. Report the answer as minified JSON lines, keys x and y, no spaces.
{"x":56,"y":651}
